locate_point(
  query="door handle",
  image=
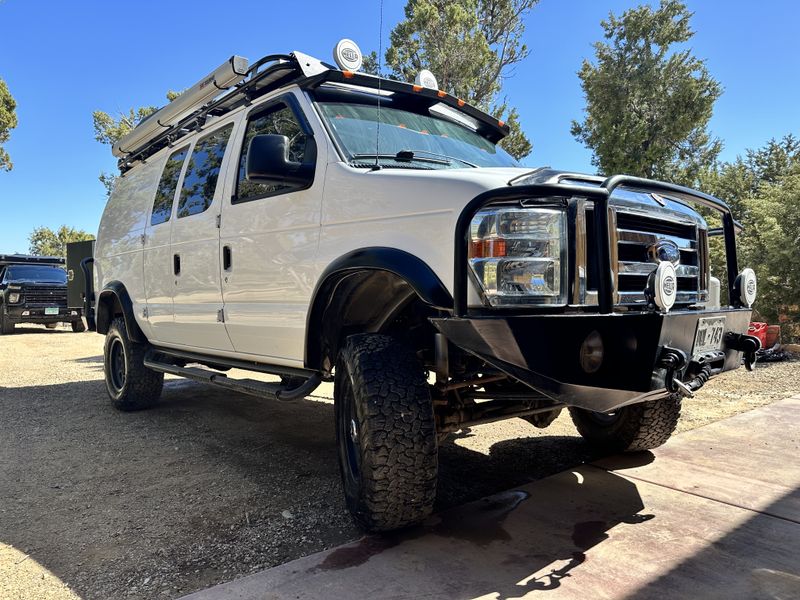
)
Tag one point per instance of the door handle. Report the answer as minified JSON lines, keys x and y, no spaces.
{"x":227,"y":258}
{"x":176,"y":264}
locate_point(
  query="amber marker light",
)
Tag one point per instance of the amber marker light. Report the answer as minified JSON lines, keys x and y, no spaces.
{"x":492,"y":248}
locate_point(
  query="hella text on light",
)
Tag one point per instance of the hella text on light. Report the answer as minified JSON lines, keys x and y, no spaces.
{"x":347,"y":55}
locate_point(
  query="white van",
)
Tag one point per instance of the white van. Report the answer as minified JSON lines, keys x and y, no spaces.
{"x":323,"y":224}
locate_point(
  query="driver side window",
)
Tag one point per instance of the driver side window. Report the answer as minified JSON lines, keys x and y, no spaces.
{"x":276,"y":119}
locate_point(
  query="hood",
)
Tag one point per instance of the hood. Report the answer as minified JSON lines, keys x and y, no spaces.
{"x":484,"y":177}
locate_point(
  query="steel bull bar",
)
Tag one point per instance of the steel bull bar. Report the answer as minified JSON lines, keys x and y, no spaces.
{"x":647,"y":353}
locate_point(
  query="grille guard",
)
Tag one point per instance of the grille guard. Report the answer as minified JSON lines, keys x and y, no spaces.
{"x":599,"y":196}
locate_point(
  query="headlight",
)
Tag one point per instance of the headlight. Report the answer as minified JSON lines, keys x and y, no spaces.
{"x":519,"y":255}
{"x":13,"y":298}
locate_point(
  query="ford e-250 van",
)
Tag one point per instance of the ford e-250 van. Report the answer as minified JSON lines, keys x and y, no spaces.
{"x":322,"y":224}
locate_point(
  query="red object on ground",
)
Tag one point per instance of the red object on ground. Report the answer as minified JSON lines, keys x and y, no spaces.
{"x":760,"y":331}
{"x":773,"y":335}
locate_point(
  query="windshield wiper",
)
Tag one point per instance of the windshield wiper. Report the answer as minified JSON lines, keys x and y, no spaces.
{"x":413,"y":154}
{"x":403,"y":156}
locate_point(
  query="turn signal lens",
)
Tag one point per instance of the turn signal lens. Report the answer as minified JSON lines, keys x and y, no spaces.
{"x":487,"y":248}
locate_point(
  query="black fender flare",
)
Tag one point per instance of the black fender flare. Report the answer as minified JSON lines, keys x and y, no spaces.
{"x":115,"y":294}
{"x":413,"y":270}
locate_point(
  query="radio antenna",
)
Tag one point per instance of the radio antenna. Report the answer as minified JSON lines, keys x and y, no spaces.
{"x":380,"y":75}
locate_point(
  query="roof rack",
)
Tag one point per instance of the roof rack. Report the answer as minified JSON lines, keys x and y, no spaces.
{"x":22,"y":259}
{"x":265,"y":75}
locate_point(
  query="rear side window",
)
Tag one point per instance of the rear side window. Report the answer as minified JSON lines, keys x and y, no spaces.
{"x":277,"y":119}
{"x":165,"y":192}
{"x":202,"y":172}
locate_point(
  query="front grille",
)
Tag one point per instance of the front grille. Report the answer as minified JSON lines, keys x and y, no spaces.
{"x":636,"y":234}
{"x":45,"y":295}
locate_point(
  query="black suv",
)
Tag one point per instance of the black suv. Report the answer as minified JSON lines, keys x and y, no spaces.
{"x":33,"y":289}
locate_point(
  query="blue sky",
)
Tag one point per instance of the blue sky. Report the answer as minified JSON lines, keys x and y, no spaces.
{"x":62,"y":60}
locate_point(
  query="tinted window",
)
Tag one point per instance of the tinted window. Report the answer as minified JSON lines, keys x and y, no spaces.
{"x":202,"y":172}
{"x":278,"y":119}
{"x":37,"y":273}
{"x":165,"y":192}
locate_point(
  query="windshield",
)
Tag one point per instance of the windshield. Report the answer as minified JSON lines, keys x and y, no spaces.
{"x":410,"y":139}
{"x":41,"y":273}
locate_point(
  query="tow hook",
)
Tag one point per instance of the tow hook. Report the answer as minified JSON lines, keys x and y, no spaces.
{"x":747,"y":344}
{"x":680,"y":388}
{"x":674,"y":360}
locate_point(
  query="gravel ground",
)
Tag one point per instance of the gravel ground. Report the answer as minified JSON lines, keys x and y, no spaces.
{"x":213,"y":485}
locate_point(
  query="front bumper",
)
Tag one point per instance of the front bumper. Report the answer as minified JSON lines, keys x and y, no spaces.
{"x":543,"y":351}
{"x":648,"y":354}
{"x":16,"y":314}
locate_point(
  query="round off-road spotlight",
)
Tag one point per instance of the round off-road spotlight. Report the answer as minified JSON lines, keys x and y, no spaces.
{"x":347,"y":55}
{"x":426,"y":79}
{"x":665,"y":284}
{"x":746,"y":286}
{"x":591,"y":357}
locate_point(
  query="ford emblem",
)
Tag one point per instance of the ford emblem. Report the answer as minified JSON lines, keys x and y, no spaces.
{"x":665,"y":250}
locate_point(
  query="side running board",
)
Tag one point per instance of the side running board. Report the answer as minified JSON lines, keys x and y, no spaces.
{"x":253,"y":387}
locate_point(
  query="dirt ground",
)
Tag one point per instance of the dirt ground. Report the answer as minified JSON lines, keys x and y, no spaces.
{"x":212,"y":485}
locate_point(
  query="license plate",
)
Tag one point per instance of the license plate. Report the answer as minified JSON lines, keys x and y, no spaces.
{"x":710,"y":331}
{"x":51,"y":310}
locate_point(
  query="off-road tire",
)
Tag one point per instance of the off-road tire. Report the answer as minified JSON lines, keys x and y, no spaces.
{"x":138,"y":387}
{"x":389,"y":465}
{"x":637,"y":427}
{"x":78,"y":326}
{"x":6,"y":327}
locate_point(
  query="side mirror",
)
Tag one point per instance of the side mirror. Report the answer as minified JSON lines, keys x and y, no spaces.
{"x":268,"y":162}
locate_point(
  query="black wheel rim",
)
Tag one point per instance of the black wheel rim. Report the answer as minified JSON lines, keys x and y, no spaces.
{"x":117,"y":370}
{"x":349,"y":443}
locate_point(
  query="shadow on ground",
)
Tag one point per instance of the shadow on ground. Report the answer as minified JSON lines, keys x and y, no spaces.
{"x":208,"y":486}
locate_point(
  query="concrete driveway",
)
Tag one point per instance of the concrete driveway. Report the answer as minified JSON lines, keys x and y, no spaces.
{"x":714,"y":514}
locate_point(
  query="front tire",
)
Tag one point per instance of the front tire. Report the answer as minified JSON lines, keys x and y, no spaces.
{"x":632,"y":428}
{"x":6,"y":326}
{"x":131,"y":385}
{"x":385,"y":432}
{"x":78,"y":327}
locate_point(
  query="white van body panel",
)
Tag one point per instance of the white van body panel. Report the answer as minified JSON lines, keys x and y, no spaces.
{"x":411,"y":210}
{"x":159,"y":283}
{"x":197,"y":299}
{"x":118,"y":250}
{"x":273,"y":244}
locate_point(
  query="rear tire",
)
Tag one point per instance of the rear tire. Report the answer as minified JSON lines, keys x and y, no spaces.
{"x":78,"y":327}
{"x":386,"y":433}
{"x":632,"y":428}
{"x":131,"y":385}
{"x":6,"y":326}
